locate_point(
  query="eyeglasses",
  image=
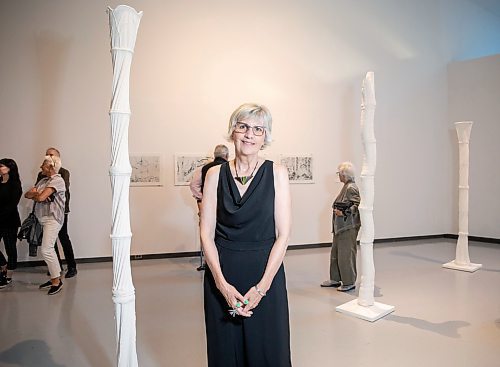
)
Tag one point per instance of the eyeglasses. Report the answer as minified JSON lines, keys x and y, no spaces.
{"x":242,"y":128}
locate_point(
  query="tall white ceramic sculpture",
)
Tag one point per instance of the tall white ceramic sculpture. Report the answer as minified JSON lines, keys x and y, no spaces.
{"x":365,"y":307}
{"x":462,"y":261}
{"x":124,"y":23}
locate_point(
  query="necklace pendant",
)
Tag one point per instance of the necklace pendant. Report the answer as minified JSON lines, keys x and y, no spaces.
{"x":243,"y":179}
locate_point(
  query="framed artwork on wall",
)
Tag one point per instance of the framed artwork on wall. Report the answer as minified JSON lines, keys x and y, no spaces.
{"x":185,"y":165}
{"x":300,"y":167}
{"x":146,"y":170}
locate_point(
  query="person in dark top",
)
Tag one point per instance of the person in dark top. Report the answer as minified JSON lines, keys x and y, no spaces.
{"x":63,"y":233}
{"x":221,"y":155}
{"x":10,"y":194}
{"x":245,"y":225}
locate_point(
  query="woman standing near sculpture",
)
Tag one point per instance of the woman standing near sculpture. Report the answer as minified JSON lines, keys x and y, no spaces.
{"x":345,"y":226}
{"x":245,"y":225}
{"x":49,"y":196}
{"x":10,"y":194}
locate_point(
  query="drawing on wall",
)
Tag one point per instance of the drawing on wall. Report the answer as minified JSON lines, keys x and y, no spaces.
{"x":186,"y":164}
{"x":146,"y":170}
{"x":300,"y":168}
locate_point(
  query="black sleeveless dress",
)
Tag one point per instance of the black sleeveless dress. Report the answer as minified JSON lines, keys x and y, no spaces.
{"x":244,"y":235}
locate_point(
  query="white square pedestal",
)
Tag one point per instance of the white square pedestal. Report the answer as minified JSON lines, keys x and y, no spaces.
{"x":370,"y":313}
{"x":468,"y":267}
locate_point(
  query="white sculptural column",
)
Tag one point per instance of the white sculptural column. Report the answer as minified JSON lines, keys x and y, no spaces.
{"x":124,"y":23}
{"x":365,"y":306}
{"x":462,"y":261}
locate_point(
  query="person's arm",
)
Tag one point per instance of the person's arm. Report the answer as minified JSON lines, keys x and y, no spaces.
{"x":56,"y":184}
{"x":282,"y":218}
{"x":207,"y":230}
{"x":39,"y":197}
{"x":352,"y":196}
{"x":195,"y":184}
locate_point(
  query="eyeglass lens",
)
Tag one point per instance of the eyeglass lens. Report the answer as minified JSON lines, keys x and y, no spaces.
{"x":241,"y":127}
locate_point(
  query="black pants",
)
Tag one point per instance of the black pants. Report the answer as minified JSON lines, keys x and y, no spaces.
{"x":9,"y":236}
{"x":66,"y":245}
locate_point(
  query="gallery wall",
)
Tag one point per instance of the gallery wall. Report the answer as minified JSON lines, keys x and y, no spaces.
{"x":196,"y":61}
{"x":473,"y":95}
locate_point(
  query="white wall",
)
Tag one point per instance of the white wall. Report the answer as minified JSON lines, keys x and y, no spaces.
{"x":195,"y":62}
{"x":474,"y":96}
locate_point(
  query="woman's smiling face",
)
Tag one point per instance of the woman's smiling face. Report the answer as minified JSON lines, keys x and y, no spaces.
{"x":245,"y":140}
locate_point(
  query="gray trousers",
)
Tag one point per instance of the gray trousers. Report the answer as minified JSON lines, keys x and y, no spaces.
{"x":343,"y":257}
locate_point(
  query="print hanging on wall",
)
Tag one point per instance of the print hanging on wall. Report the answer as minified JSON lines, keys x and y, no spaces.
{"x":186,"y":164}
{"x":146,"y":170}
{"x":300,"y":168}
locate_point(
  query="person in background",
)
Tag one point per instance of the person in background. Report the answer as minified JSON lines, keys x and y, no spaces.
{"x":221,"y":155}
{"x":63,"y":233}
{"x":245,"y":225}
{"x":345,"y":226}
{"x":10,"y":194}
{"x":49,"y":196}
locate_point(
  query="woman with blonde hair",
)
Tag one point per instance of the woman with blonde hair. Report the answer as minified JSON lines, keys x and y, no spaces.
{"x":49,"y":196}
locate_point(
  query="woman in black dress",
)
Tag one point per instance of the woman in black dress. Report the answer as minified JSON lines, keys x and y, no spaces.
{"x":245,"y":224}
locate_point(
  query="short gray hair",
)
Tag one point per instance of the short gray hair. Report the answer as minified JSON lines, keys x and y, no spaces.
{"x":346,"y":169}
{"x":53,"y":161}
{"x":255,"y":112}
{"x":221,"y":151}
{"x":55,"y":150}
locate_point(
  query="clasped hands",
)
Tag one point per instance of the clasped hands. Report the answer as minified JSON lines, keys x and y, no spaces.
{"x":240,"y":304}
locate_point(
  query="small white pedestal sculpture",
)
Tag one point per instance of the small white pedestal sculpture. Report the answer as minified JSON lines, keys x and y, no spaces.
{"x":365,"y":307}
{"x":462,"y":261}
{"x":124,"y":23}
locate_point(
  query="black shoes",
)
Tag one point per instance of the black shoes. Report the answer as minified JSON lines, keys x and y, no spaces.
{"x":4,"y":281}
{"x":201,"y":267}
{"x":346,"y":288}
{"x":45,"y":285}
{"x":71,"y":273}
{"x":54,"y":289}
{"x":340,"y":287}
{"x":331,"y":283}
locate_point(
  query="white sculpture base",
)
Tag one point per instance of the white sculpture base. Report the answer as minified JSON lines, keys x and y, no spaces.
{"x":370,"y":313}
{"x":470,"y":267}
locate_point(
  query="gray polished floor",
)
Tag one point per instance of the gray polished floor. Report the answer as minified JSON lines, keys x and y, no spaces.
{"x":442,"y":318}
